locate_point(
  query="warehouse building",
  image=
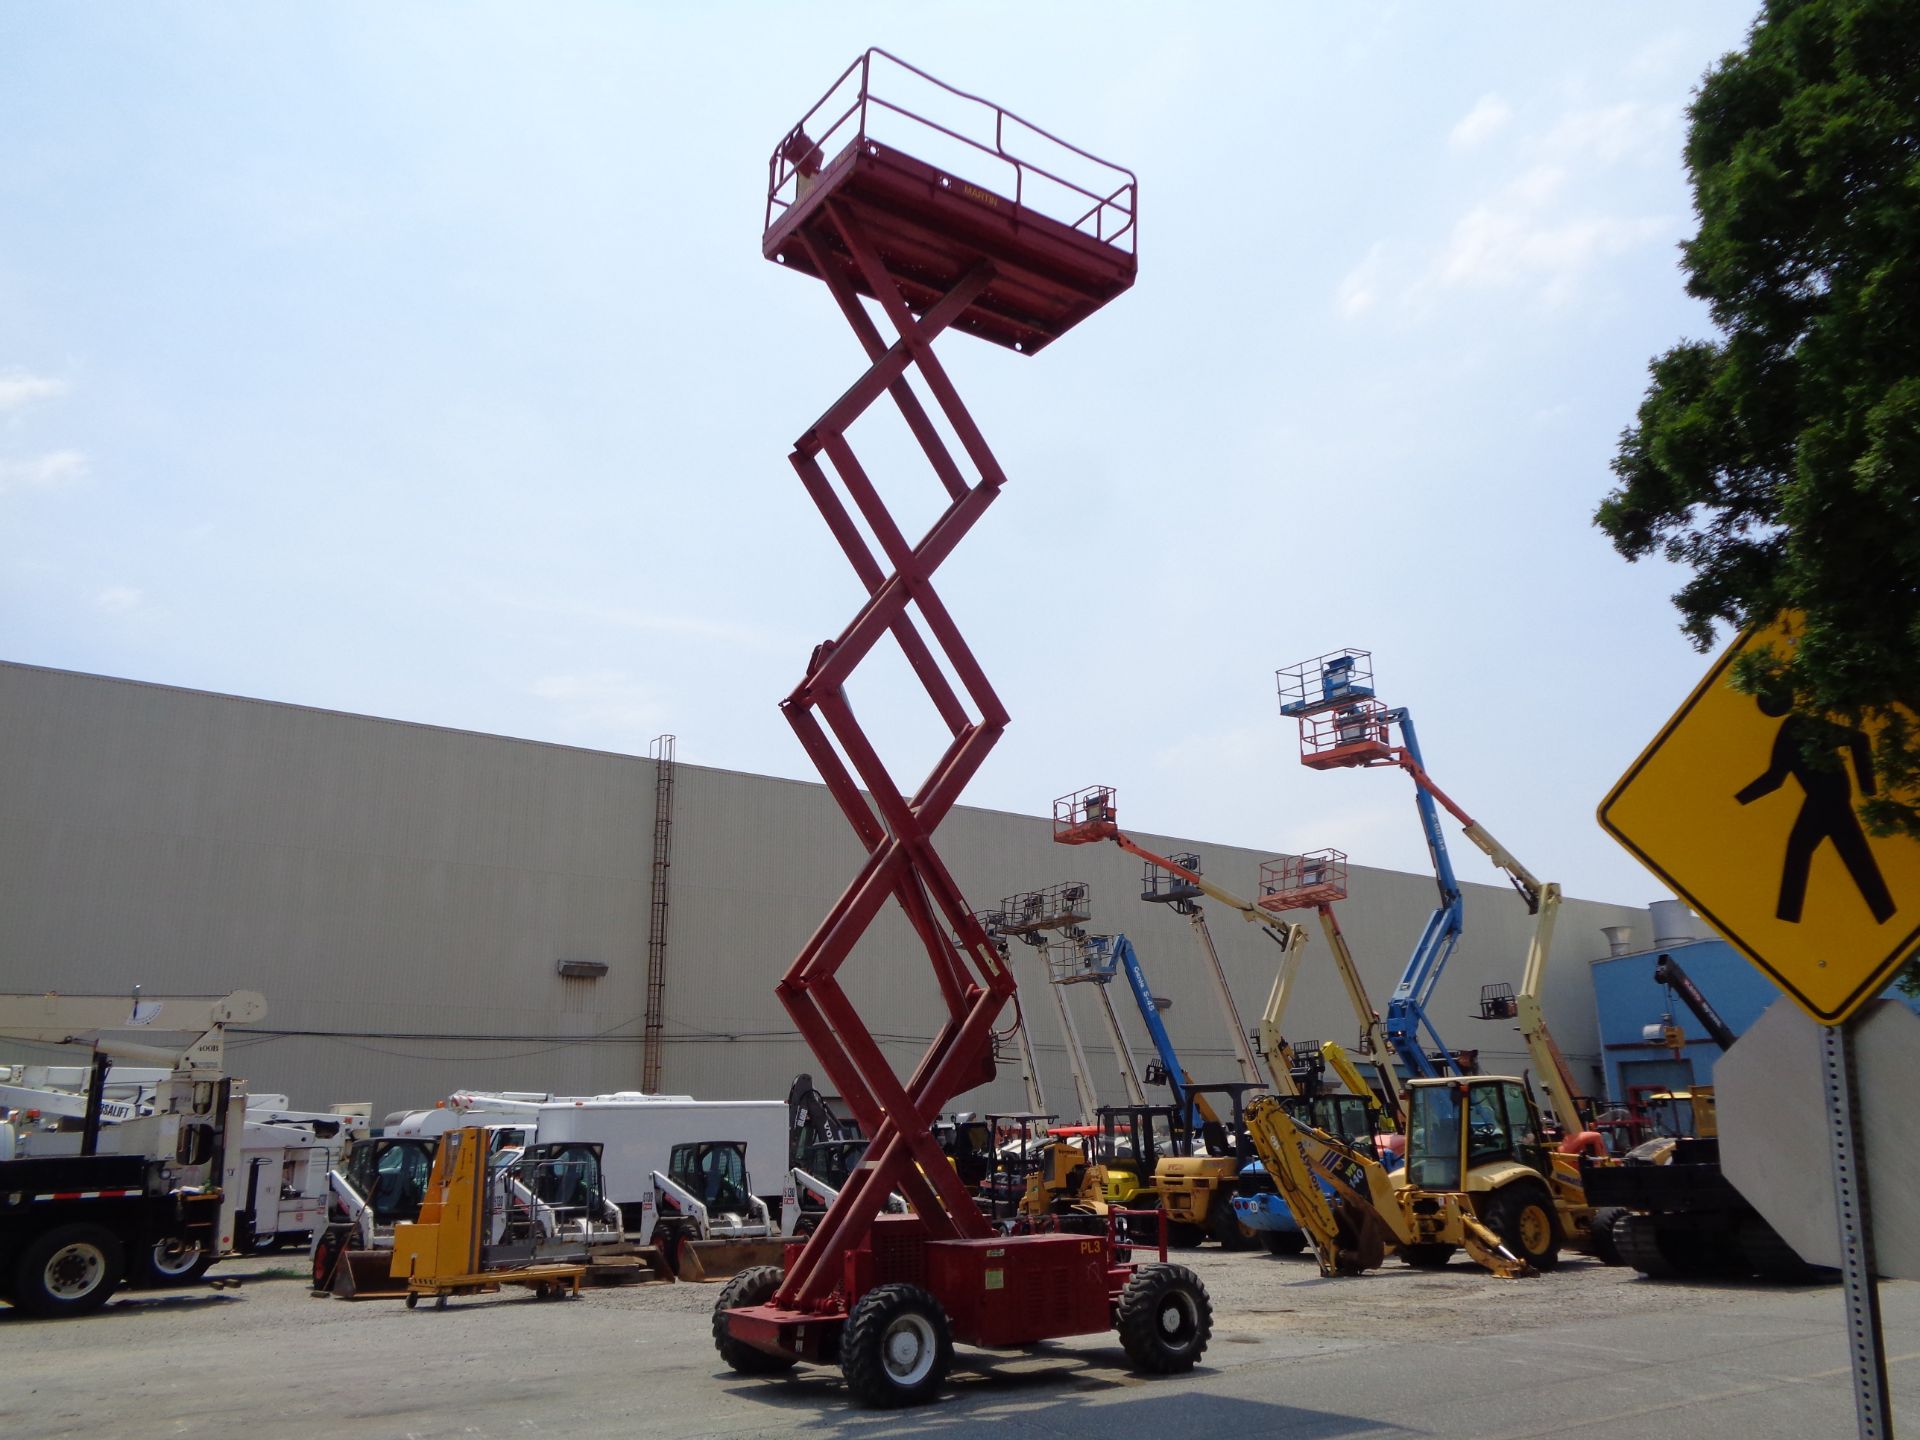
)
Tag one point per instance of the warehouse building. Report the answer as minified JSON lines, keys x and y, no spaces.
{"x":427,"y":909}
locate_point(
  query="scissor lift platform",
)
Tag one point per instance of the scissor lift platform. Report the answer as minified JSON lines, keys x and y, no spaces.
{"x":1056,"y":248}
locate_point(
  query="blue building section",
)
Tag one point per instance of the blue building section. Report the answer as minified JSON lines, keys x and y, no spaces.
{"x":1628,"y":1001}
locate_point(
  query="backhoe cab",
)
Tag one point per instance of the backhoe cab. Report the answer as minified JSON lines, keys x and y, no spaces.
{"x":1480,"y":1137}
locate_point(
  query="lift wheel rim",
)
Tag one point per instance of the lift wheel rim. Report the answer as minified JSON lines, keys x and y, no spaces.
{"x":909,"y":1349}
{"x":175,"y":1257}
{"x":1536,"y":1228}
{"x":75,"y":1271}
{"x":1179,"y":1317}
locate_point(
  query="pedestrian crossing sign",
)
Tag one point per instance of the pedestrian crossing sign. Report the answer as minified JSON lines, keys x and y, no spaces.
{"x":1766,"y":844}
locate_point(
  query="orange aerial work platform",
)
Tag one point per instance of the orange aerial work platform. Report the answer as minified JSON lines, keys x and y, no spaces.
{"x":1302,"y":882}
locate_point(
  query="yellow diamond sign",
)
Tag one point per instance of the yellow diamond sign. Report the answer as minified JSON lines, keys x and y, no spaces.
{"x":1765,"y":844}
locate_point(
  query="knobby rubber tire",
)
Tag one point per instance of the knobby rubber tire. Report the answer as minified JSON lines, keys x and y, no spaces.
{"x":753,"y":1286}
{"x":1605,"y":1248}
{"x":1638,"y":1237}
{"x":1507,"y":1216}
{"x":881,"y":1315}
{"x":1165,"y":1319}
{"x":1224,"y":1225}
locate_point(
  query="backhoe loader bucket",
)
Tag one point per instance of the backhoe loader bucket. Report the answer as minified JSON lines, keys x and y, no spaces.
{"x":1363,"y":1238}
{"x":722,"y":1259}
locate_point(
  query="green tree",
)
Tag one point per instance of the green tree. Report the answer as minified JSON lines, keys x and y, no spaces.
{"x":1780,"y":462}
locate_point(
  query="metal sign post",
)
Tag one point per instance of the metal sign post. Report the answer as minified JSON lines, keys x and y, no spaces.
{"x":1730,"y":805}
{"x":1864,"y":1341}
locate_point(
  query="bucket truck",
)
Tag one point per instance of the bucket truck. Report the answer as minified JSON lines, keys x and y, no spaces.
{"x":141,"y":1193}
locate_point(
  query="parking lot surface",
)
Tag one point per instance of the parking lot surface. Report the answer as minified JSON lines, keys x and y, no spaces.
{"x":1586,"y":1351}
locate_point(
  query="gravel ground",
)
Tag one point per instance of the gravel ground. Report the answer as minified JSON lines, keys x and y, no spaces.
{"x":270,"y":1360}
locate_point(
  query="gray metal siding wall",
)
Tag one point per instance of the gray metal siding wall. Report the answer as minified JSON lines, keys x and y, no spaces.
{"x":397,"y":881}
{"x":370,"y":877}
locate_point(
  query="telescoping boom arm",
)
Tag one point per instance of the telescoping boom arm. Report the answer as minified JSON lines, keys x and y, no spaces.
{"x":1549,"y":1063}
{"x":106,"y":1023}
{"x":1107,"y":953}
{"x":1667,"y":972}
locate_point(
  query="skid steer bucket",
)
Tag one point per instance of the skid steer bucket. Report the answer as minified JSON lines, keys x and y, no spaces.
{"x":366,"y":1275}
{"x":722,"y":1259}
{"x":628,"y":1265}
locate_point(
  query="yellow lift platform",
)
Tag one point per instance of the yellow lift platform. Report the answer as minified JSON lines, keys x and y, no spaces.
{"x":464,"y":1242}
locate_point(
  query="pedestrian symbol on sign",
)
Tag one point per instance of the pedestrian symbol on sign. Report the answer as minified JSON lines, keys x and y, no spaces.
{"x":1748,"y":812}
{"x":1826,"y":814}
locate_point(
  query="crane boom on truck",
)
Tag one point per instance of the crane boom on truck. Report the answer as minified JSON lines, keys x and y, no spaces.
{"x":151,"y":1193}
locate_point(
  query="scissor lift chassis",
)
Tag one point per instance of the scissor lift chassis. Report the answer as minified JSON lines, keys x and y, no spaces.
{"x":936,"y":252}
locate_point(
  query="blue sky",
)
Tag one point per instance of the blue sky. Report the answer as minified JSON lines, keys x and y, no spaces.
{"x":420,"y":361}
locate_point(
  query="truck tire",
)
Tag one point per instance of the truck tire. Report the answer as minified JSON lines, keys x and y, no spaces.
{"x":1427,"y":1257}
{"x":896,"y":1349}
{"x":70,"y":1270}
{"x":1605,"y":1249}
{"x":1284,"y":1242}
{"x":1638,"y":1238}
{"x":1522,"y":1215}
{"x":1165,"y":1319}
{"x":1225,"y":1226}
{"x":755,"y":1286}
{"x":171,"y":1262}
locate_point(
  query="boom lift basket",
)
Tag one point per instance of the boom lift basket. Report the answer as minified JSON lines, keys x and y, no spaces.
{"x":1054,"y":908}
{"x":1325,"y":682}
{"x":1497,"y":1002}
{"x":1161,"y":886}
{"x":1352,"y":734}
{"x":1085,"y":816}
{"x":1302,"y":882}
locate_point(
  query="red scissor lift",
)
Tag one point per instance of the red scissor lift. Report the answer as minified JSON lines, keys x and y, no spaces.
{"x":948,"y":213}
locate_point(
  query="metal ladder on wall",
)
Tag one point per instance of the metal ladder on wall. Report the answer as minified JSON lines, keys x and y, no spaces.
{"x":662,"y":752}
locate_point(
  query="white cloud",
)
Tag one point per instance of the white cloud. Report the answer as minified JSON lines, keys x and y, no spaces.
{"x":52,"y":471}
{"x":1629,"y":130}
{"x":602,"y":699}
{"x":19,"y":390}
{"x":1357,"y":293}
{"x":118,"y":599}
{"x":1508,"y":241}
{"x":1488,"y":116}
{"x":715,"y":632}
